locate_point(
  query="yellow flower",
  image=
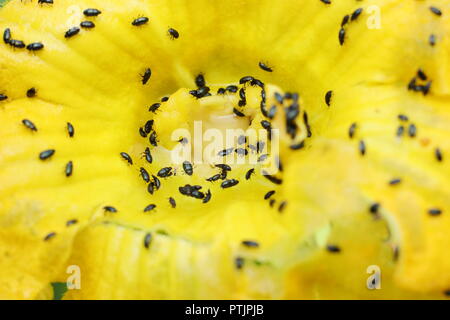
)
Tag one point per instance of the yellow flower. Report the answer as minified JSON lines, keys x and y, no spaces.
{"x":364,"y":186}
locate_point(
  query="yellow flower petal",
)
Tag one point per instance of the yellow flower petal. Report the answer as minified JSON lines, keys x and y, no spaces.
{"x":94,"y":81}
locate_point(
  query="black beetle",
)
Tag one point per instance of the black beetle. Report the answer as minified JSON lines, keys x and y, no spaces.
{"x":139,"y":21}
{"x":7,"y":35}
{"x":187,"y":167}
{"x":30,"y":125}
{"x":87,"y":24}
{"x":173,"y":33}
{"x":229,"y":183}
{"x":146,"y":76}
{"x":127,"y":157}
{"x":31,"y":92}
{"x":265,"y":67}
{"x":46,"y":154}
{"x":91,"y":12}
{"x":70,"y":129}
{"x":69,"y":169}
{"x":144,"y":175}
{"x":71,"y":32}
{"x":150,"y":207}
{"x":165,"y":172}
{"x":109,"y":209}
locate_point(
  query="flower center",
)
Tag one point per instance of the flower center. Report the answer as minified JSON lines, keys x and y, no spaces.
{"x":220,"y":133}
